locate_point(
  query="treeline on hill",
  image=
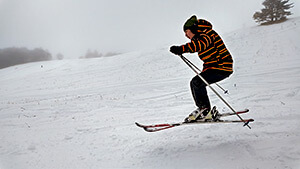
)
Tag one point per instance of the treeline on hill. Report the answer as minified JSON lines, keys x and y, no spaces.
{"x":96,"y":54}
{"x":14,"y":56}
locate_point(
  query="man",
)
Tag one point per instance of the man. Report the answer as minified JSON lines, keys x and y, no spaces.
{"x":217,"y":62}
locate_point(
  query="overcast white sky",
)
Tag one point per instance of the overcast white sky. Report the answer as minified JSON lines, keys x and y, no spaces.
{"x":71,"y":27}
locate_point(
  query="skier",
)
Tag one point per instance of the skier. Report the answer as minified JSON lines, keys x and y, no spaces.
{"x":216,"y":67}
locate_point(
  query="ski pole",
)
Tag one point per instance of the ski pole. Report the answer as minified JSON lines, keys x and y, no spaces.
{"x":195,"y":67}
{"x":189,"y":63}
{"x":225,"y":91}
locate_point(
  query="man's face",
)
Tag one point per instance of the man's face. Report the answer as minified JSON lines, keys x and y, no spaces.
{"x":189,"y":34}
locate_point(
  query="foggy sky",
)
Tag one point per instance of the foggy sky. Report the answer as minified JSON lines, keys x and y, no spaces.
{"x":71,"y":27}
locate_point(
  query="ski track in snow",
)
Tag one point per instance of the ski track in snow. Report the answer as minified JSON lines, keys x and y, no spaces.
{"x":81,"y":113}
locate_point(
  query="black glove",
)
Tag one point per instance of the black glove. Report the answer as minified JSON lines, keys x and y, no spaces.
{"x":177,"y":50}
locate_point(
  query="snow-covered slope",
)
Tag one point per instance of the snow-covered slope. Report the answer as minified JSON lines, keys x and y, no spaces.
{"x":81,"y":113}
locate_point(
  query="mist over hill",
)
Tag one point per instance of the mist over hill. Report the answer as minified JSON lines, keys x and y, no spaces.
{"x":80,"y":113}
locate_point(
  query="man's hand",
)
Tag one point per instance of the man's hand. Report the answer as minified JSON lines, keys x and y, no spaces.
{"x":177,"y":50}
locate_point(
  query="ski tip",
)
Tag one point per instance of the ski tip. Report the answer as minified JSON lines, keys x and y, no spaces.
{"x":246,"y":122}
{"x":244,"y":111}
{"x":138,"y":124}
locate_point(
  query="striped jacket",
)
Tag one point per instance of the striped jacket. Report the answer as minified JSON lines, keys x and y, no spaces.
{"x":210,"y":47}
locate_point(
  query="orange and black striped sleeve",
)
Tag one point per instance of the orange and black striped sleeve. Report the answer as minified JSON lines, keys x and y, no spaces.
{"x":197,"y":45}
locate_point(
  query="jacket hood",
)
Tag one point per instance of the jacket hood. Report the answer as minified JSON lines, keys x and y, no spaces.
{"x":203,"y":25}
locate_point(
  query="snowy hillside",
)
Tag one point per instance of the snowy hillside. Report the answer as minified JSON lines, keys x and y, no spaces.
{"x":80,"y":113}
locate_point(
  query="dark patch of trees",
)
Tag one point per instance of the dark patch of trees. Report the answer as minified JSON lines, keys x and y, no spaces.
{"x":14,"y":56}
{"x":96,"y":54}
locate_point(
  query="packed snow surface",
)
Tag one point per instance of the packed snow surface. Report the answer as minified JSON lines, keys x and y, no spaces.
{"x":81,"y":114}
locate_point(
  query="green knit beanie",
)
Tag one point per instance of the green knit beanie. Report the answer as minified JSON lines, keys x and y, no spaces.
{"x":190,"y":22}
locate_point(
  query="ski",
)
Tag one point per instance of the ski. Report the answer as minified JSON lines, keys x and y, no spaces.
{"x":159,"y":127}
{"x":231,"y":114}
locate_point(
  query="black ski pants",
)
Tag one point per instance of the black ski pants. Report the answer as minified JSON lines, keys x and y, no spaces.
{"x":198,"y":87}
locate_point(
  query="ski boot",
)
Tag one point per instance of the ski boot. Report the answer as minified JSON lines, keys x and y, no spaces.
{"x":199,"y":114}
{"x":215,"y":114}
